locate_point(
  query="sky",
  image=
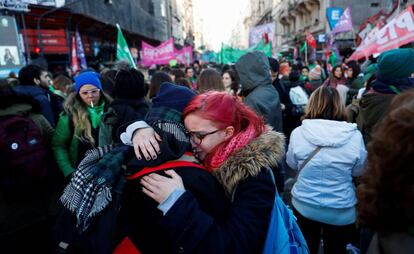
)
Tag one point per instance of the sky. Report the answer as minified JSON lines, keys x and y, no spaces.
{"x":219,"y":18}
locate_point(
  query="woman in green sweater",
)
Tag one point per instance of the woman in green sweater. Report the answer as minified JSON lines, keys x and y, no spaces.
{"x":78,"y":127}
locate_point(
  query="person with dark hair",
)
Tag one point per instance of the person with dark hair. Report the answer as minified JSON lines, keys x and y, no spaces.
{"x":210,"y":80}
{"x":129,"y":105}
{"x":176,"y":74}
{"x":386,"y":189}
{"x":157,"y":79}
{"x":34,"y":81}
{"x":190,"y":75}
{"x":183,"y":82}
{"x":295,"y":106}
{"x":355,"y":81}
{"x":274,"y":67}
{"x":231,"y":82}
{"x":27,"y":196}
{"x":107,"y":79}
{"x":323,"y":196}
{"x":304,"y":73}
{"x":338,"y":81}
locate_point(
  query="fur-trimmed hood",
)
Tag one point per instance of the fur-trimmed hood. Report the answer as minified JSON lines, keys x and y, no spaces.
{"x":263,"y":152}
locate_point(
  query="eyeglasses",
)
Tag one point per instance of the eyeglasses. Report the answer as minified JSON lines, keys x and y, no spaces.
{"x":93,"y":92}
{"x":198,"y":137}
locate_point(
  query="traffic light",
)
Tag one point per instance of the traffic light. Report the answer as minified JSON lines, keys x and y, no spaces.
{"x":37,"y":50}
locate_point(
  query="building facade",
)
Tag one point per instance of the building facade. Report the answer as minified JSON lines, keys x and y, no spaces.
{"x":291,"y":19}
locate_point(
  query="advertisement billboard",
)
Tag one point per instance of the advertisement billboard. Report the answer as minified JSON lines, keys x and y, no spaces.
{"x":11,"y":57}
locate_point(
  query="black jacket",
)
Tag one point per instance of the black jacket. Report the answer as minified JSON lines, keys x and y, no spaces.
{"x":143,"y":217}
{"x":244,"y":175}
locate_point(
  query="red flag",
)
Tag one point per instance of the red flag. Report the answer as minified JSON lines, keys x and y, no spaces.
{"x":310,"y":40}
{"x":74,"y":60}
{"x":266,"y":38}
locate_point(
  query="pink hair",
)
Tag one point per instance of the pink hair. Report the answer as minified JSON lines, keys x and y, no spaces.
{"x":224,"y":110}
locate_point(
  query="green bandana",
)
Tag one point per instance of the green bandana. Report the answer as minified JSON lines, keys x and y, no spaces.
{"x":95,"y":114}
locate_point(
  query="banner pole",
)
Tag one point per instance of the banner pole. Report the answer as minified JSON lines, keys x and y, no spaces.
{"x":306,"y":53}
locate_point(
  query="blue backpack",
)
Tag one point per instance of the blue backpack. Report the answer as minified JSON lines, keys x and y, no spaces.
{"x":284,"y":235}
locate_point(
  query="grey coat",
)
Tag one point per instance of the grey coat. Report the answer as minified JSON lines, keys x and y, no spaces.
{"x":254,"y":71}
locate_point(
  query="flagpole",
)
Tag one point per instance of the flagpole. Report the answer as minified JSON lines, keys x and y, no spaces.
{"x":306,"y":53}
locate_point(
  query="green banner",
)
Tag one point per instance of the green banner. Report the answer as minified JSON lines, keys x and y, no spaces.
{"x":231,"y":55}
{"x":122,"y":49}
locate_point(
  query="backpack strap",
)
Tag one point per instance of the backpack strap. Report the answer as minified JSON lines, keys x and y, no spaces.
{"x":184,"y":161}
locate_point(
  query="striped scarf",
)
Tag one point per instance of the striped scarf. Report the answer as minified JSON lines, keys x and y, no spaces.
{"x":89,"y":190}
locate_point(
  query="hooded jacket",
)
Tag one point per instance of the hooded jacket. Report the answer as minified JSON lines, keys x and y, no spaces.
{"x":326,"y":180}
{"x":50,"y":106}
{"x":254,"y":72}
{"x":246,"y":180}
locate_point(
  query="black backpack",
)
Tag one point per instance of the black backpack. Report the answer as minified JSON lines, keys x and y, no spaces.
{"x":23,"y":153}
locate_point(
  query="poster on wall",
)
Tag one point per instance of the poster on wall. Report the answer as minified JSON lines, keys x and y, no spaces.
{"x":11,"y":59}
{"x":256,"y":33}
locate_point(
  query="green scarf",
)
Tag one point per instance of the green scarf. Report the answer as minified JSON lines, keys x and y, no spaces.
{"x":95,"y":114}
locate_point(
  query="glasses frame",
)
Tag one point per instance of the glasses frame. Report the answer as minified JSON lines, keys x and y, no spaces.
{"x":92,"y":91}
{"x":200,"y":136}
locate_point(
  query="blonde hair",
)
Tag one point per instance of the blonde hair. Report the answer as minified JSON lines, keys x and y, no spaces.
{"x":325,"y":103}
{"x":77,"y":109}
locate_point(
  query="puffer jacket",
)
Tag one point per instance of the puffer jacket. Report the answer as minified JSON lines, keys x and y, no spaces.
{"x":326,"y":180}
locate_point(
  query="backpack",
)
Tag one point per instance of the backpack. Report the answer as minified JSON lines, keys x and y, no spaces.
{"x":299,"y":100}
{"x":23,"y":153}
{"x":284,"y":235}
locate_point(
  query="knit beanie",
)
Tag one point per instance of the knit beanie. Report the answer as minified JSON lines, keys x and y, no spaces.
{"x":371,"y":69}
{"x":130,"y":84}
{"x":87,"y":78}
{"x":396,"y":63}
{"x":173,"y":96}
{"x":315,"y":73}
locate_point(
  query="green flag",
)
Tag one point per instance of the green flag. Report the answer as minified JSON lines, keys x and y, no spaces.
{"x":231,"y":55}
{"x":122,"y":49}
{"x":303,"y":48}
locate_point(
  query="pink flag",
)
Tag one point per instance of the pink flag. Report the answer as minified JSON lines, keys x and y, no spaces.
{"x":397,"y":32}
{"x":345,"y":22}
{"x":184,"y":55}
{"x":158,"y":55}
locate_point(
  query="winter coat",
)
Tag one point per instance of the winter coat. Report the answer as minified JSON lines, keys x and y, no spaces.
{"x":50,"y":104}
{"x":27,"y":215}
{"x":372,"y":109}
{"x":143,"y":217}
{"x":120,"y":112}
{"x":245,"y":176}
{"x":261,"y":96}
{"x":69,"y":150}
{"x":326,"y":180}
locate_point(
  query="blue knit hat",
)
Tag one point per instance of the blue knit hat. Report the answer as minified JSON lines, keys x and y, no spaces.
{"x":87,"y":78}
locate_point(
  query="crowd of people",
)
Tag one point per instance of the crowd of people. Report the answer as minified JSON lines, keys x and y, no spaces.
{"x":181,"y":159}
